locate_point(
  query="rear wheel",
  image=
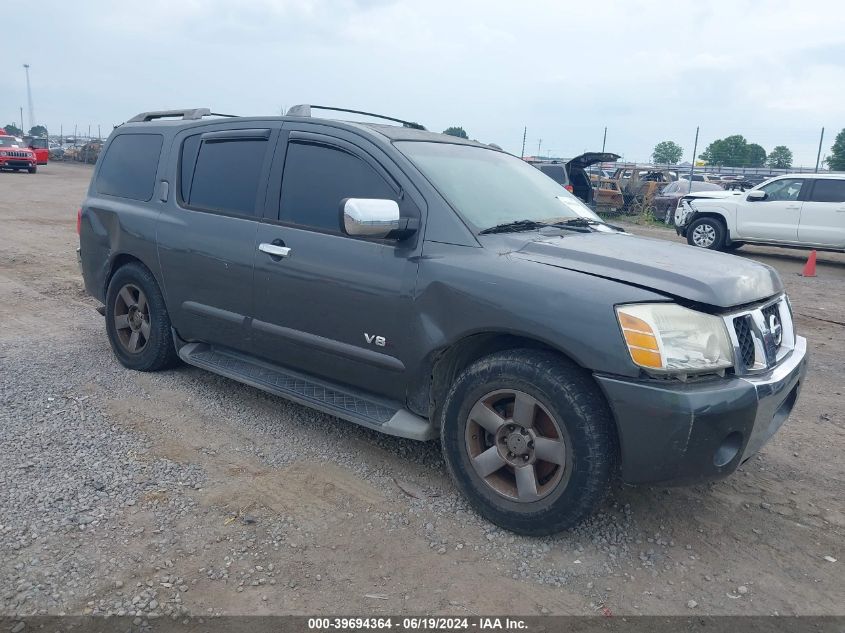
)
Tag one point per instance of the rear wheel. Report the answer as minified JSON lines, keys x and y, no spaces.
{"x":706,"y":233}
{"x":528,"y":439}
{"x":137,"y":322}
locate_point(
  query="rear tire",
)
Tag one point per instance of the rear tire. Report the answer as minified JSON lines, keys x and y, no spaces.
{"x":539,"y":412}
{"x":137,"y":322}
{"x":707,"y":233}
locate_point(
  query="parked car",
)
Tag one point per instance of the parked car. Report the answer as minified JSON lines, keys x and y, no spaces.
{"x":15,"y":155}
{"x":805,"y":210}
{"x":427,"y":286}
{"x":607,"y":198}
{"x":667,"y":199}
{"x":755,"y":179}
{"x":572,"y":174}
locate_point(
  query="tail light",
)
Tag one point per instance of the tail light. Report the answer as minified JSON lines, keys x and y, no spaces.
{"x":79,"y":221}
{"x":570,"y":188}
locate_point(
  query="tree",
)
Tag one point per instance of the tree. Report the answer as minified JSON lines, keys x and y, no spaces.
{"x":456,"y":131}
{"x":13,"y":130}
{"x":780,"y":157}
{"x":734,"y":151}
{"x":836,"y":160}
{"x":38,"y":130}
{"x":755,"y":155}
{"x":667,"y":152}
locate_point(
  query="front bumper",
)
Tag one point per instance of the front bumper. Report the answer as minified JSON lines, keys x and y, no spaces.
{"x":16,"y":163}
{"x":686,"y":432}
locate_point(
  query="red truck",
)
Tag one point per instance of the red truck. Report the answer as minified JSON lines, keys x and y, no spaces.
{"x":15,"y":155}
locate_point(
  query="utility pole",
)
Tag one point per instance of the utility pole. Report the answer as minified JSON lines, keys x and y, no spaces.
{"x":524,"y":134}
{"x":29,"y":99}
{"x":604,"y":139}
{"x":22,"y":132}
{"x":819,"y":155}
{"x":692,"y":166}
{"x":539,"y":143}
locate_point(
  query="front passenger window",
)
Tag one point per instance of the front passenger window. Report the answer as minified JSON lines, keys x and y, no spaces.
{"x":317,"y":177}
{"x":783,"y":190}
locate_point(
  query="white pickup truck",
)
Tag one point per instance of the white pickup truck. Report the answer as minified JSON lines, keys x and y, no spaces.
{"x":797,"y":210}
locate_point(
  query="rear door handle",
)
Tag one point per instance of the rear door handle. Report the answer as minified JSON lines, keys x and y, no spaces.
{"x":274,"y":249}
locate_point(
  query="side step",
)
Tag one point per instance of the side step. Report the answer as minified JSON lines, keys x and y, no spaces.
{"x":343,"y":402}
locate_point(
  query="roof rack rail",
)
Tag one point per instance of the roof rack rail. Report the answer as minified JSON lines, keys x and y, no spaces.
{"x":305,"y":111}
{"x":190,"y":114}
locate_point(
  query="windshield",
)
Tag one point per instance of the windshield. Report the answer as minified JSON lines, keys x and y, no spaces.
{"x":10,"y":141}
{"x":488,"y":188}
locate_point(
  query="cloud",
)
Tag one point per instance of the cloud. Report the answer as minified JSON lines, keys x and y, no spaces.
{"x":649,"y":71}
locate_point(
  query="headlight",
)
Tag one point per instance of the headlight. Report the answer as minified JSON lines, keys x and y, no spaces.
{"x":2,"y":153}
{"x":668,"y":338}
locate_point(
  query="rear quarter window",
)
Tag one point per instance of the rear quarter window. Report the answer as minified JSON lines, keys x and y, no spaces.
{"x":129,"y":166}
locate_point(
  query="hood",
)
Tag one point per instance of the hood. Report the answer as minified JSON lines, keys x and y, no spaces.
{"x":691,"y":273}
{"x":591,"y":158}
{"x":720,"y":195}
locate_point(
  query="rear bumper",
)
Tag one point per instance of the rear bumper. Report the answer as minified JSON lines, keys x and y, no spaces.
{"x":682,"y":433}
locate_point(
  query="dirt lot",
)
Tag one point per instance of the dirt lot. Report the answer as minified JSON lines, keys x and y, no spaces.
{"x":183,"y":492}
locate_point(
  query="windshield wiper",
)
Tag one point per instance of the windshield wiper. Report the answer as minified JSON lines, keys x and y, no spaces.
{"x":584,"y":223}
{"x":513,"y":227}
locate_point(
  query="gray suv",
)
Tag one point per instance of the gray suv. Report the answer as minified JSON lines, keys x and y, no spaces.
{"x":426,"y":286}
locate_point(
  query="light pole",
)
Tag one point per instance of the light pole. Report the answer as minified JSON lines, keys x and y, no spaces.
{"x":29,"y":98}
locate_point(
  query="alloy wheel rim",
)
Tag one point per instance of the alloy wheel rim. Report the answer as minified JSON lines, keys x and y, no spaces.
{"x":516,"y":446}
{"x":131,"y":318}
{"x":704,"y":235}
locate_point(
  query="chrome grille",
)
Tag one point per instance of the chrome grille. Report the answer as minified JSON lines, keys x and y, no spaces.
{"x":761,"y":337}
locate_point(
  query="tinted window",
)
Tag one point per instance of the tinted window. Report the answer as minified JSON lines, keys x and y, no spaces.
{"x":190,"y":148}
{"x":129,"y":166}
{"x":555,"y":172}
{"x":226,"y":175}
{"x":828,"y":191}
{"x":317,"y":178}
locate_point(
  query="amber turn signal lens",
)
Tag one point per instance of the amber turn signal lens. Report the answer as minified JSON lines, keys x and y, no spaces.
{"x":641,"y":341}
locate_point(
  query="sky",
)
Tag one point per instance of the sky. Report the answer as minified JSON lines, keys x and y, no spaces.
{"x":771,"y":70}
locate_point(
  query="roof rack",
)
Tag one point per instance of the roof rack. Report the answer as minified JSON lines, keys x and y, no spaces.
{"x":190,"y":114}
{"x":305,"y":111}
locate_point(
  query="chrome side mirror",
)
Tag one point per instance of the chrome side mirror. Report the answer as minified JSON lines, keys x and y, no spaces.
{"x":756,"y":195}
{"x":370,"y":217}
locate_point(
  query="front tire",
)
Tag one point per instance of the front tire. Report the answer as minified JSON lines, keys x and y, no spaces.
{"x":32,"y":170}
{"x":529,"y":440}
{"x":707,"y":233}
{"x":137,"y":322}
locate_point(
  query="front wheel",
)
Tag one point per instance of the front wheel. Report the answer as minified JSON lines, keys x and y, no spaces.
{"x":706,"y":233}
{"x":32,"y":169}
{"x":528,"y":439}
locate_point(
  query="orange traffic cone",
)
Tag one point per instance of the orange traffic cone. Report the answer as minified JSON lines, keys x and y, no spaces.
{"x":810,"y":266}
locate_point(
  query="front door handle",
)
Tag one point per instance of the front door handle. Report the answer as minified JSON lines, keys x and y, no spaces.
{"x":794,"y":208}
{"x":274,"y":249}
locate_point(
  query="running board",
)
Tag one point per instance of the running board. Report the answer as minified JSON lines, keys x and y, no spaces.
{"x":342,"y":402}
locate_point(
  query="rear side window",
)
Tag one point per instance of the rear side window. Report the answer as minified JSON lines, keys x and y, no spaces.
{"x":318,"y":177}
{"x":129,"y":166}
{"x":828,"y":190}
{"x":555,"y":172}
{"x":226,"y":174}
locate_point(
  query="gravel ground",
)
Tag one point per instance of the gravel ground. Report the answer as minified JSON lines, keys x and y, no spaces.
{"x":159,"y":495}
